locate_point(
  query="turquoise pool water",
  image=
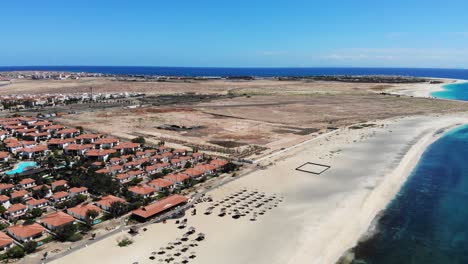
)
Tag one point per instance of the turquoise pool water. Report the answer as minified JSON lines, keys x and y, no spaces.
{"x":456,"y":91}
{"x":21,"y":167}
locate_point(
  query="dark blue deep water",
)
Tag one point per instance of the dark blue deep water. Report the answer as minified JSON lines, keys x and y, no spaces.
{"x":261,"y":72}
{"x":427,"y":223}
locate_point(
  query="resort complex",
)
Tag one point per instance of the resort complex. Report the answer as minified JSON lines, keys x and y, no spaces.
{"x":62,"y":184}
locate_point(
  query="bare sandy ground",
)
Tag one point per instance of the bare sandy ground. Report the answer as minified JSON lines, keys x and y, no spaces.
{"x":321,"y":215}
{"x":423,"y":89}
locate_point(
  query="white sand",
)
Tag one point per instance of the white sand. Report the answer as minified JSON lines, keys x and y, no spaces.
{"x":321,"y":216}
{"x":423,"y":89}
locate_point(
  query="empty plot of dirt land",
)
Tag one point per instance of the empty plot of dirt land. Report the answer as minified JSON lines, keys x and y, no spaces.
{"x":273,"y":122}
{"x":259,"y":87}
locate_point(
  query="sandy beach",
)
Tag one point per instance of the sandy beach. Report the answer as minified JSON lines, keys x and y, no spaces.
{"x":424,"y":90}
{"x":321,"y":216}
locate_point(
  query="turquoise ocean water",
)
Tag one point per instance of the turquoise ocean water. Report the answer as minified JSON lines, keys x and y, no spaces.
{"x":457,"y":91}
{"x":427,"y":222}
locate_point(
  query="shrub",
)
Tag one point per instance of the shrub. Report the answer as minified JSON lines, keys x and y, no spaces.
{"x":15,"y":252}
{"x":30,"y":246}
{"x":125,"y":242}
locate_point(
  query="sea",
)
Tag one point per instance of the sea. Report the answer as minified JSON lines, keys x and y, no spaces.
{"x":427,"y":222}
{"x":259,"y":72}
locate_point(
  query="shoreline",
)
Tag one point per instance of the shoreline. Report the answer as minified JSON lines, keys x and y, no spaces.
{"x":384,"y":195}
{"x":321,"y":217}
{"x":425,"y":90}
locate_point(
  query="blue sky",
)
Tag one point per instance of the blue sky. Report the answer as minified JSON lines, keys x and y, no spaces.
{"x":253,"y":33}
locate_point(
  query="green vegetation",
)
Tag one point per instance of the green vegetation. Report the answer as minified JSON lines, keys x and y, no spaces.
{"x":67,"y":233}
{"x":91,"y":215}
{"x":125,"y":242}
{"x":140,"y":140}
{"x":15,"y":252}
{"x":30,"y":247}
{"x":117,"y":209}
{"x":36,"y":212}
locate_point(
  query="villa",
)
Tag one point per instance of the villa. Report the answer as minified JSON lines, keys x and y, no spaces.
{"x":57,"y":220}
{"x":77,"y":149}
{"x":6,"y":242}
{"x":67,"y":133}
{"x":4,"y":156}
{"x":58,"y":143}
{"x":6,"y":187}
{"x":22,"y":194}
{"x":143,"y":191}
{"x":106,"y":143}
{"x":31,"y":152}
{"x":33,"y":203}
{"x":60,"y":196}
{"x":87,"y":138}
{"x":100,"y":154}
{"x":194,"y":173}
{"x":126,"y":147}
{"x":25,"y":233}
{"x":79,"y":211}
{"x":16,"y":210}
{"x":106,"y":202}
{"x":177,"y":178}
{"x":5,"y":201}
{"x":161,"y":185}
{"x":78,"y":191}
{"x":59,"y":183}
{"x":124,"y":178}
{"x":26,"y":183}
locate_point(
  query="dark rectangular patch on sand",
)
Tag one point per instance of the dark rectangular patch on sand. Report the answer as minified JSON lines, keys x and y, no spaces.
{"x":313,"y":168}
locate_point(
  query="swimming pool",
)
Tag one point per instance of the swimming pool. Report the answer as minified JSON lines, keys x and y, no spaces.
{"x":21,"y":167}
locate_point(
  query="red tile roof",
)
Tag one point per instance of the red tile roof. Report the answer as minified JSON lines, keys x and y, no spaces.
{"x":127,"y":145}
{"x":160,"y":183}
{"x":218,"y":162}
{"x":75,"y":147}
{"x":4,"y":186}
{"x":59,"y":141}
{"x":141,"y":189}
{"x":59,"y":183}
{"x":177,"y":177}
{"x":107,"y":201}
{"x":57,"y":219}
{"x":59,"y":195}
{"x":5,"y":240}
{"x":26,"y":181}
{"x":4,"y":154}
{"x":26,"y":231}
{"x":160,"y":206}
{"x":99,"y":152}
{"x":19,"y":193}
{"x":82,"y":209}
{"x":4,"y":198}
{"x":193,"y":172}
{"x":88,"y":136}
{"x":78,"y":189}
{"x":108,"y":140}
{"x":16,"y":207}
{"x":38,"y":148}
{"x":67,"y":131}
{"x":36,"y":202}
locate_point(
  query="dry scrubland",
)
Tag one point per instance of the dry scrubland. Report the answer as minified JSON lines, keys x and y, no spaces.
{"x":274,"y":114}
